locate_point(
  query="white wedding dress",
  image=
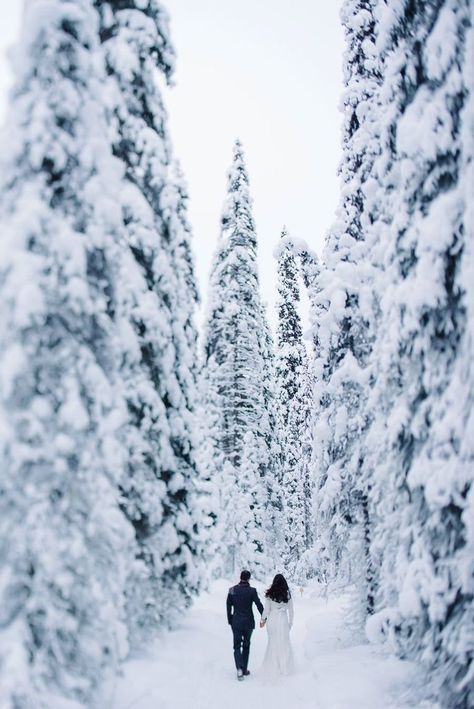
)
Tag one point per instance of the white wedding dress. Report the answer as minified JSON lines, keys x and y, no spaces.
{"x":278,"y":658}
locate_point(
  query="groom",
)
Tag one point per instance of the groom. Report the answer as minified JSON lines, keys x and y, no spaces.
{"x":240,"y":616}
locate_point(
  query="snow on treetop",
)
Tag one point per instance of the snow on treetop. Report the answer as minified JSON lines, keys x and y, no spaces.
{"x":295,"y":245}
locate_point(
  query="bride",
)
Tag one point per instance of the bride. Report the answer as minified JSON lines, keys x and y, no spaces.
{"x":278,"y":617}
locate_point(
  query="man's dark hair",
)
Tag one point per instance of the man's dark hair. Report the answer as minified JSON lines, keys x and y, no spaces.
{"x":244,"y":575}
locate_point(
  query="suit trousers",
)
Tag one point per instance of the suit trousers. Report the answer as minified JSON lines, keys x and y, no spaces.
{"x":242,"y":647}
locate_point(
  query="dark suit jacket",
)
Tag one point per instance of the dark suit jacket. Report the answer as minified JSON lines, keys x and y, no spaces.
{"x":240,"y":600}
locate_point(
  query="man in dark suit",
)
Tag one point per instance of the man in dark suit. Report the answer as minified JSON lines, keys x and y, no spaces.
{"x":240,"y":600}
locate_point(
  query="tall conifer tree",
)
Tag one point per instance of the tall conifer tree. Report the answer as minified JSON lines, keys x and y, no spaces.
{"x":158,"y":297}
{"x":236,"y":343}
{"x":65,"y":547}
{"x":294,"y":405}
{"x":344,"y":333}
{"x":273,"y":447}
{"x":420,"y":441}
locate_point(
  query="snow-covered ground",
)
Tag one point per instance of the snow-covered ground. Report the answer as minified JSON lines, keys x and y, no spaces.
{"x":192,"y":666}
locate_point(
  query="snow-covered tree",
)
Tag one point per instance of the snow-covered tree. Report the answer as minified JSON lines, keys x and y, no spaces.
{"x":157,"y":299}
{"x":236,"y":340}
{"x":310,"y":270}
{"x":345,"y":304}
{"x":275,"y":530}
{"x":294,"y":406}
{"x":64,"y":543}
{"x":193,"y":496}
{"x":245,"y":521}
{"x":421,"y":435}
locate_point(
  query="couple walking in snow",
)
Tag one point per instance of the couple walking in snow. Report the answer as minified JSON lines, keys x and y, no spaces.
{"x":277,"y":616}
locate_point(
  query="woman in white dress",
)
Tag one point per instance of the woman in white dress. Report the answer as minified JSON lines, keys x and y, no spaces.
{"x":278,"y":617}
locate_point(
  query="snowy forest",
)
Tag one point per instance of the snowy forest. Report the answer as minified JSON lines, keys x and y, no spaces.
{"x":141,"y":458}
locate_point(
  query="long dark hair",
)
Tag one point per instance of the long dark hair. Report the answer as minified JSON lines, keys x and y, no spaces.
{"x":279,"y":590}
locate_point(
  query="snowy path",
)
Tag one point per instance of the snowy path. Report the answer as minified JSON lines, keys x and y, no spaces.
{"x":192,"y":667}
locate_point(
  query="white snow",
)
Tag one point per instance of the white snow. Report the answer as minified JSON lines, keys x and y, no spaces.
{"x":192,"y":666}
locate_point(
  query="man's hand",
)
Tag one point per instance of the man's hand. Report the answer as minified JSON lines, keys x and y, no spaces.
{"x":262,"y":623}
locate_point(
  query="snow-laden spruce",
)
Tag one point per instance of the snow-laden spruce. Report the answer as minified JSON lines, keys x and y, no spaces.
{"x":65,"y":547}
{"x":342,"y":314}
{"x":157,"y":294}
{"x":294,"y":410}
{"x":238,"y":400}
{"x":310,"y":269}
{"x":420,"y":443}
{"x":99,"y":528}
{"x":391,"y":314}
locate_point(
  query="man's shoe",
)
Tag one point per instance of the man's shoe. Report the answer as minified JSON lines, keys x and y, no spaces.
{"x":246,"y":673}
{"x":240,"y":675}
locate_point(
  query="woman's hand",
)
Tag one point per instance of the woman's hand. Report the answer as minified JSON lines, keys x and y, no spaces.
{"x":262,"y":623}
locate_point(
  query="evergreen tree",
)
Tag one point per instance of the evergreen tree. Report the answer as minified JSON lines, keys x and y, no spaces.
{"x":420,"y":435}
{"x":157,"y":297}
{"x":64,"y":544}
{"x":245,"y":529}
{"x":272,"y":450}
{"x":310,"y":273}
{"x":236,"y":340}
{"x":194,"y":503}
{"x":293,"y":408}
{"x":343,"y":337}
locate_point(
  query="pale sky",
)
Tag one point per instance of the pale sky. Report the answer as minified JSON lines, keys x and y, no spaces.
{"x":268,"y":72}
